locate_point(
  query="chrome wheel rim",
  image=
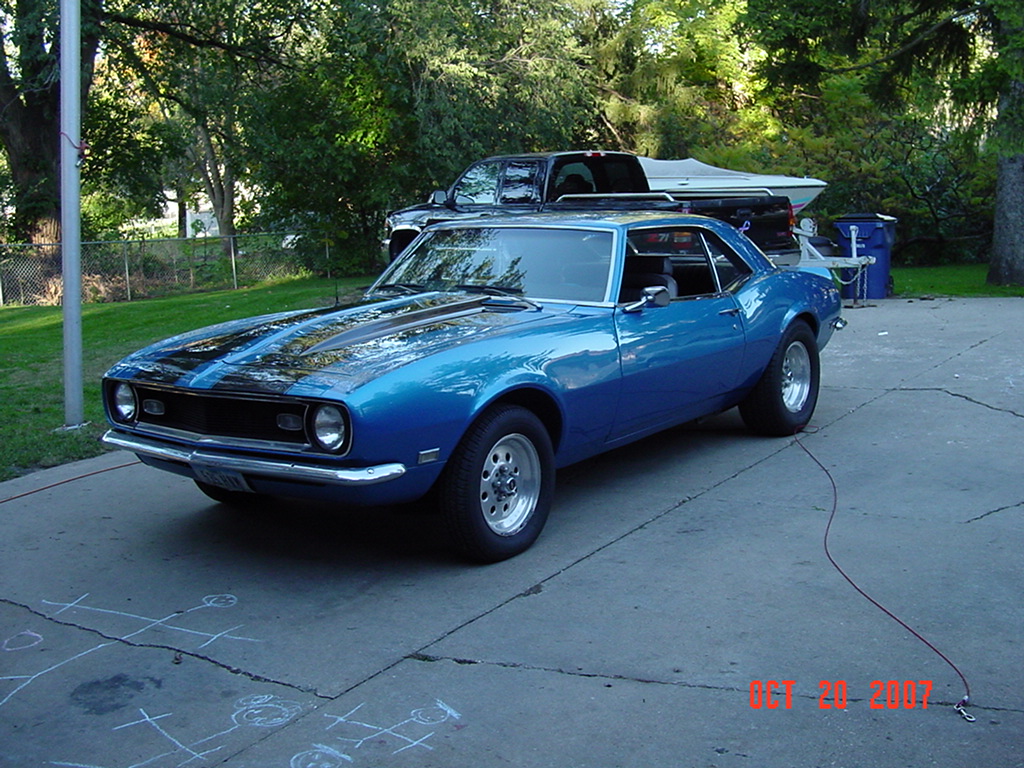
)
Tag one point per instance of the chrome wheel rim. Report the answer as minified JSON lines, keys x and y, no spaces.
{"x":510,"y":483}
{"x":796,"y":377}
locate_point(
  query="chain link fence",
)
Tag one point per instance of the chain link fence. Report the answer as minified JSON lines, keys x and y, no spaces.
{"x":125,"y":270}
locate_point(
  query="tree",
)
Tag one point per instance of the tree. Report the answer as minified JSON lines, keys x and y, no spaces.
{"x":322,"y":142}
{"x":973,"y":53}
{"x":30,"y":85}
{"x":199,"y":68}
{"x":670,"y":78}
{"x":129,"y":150}
{"x":30,"y":119}
{"x":491,"y":76}
{"x":380,"y":113}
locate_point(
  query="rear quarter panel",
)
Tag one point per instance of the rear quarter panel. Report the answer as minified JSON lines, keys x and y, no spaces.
{"x":771,"y":301}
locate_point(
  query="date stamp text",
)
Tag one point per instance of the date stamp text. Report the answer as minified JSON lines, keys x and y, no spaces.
{"x":885,"y":694}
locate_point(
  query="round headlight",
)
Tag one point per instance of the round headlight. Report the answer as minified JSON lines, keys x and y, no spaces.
{"x":125,"y":404}
{"x":329,"y":427}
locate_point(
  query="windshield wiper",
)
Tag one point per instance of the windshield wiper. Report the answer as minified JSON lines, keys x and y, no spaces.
{"x":490,"y":290}
{"x":500,"y":291}
{"x":401,"y":287}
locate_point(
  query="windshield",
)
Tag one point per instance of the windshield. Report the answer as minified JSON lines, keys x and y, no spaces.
{"x":542,"y":263}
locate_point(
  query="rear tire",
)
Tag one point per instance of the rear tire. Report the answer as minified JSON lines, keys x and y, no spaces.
{"x":495,"y":493}
{"x":782,"y":402}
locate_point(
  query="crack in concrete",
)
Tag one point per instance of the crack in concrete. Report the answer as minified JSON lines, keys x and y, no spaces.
{"x":962,"y":397}
{"x":179,"y":653}
{"x":994,"y":511}
{"x":428,"y":658}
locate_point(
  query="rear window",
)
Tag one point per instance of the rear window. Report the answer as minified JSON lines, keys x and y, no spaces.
{"x":599,"y":174}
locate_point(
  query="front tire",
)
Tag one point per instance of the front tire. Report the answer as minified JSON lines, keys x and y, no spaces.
{"x":496,"y":491}
{"x":782,"y":402}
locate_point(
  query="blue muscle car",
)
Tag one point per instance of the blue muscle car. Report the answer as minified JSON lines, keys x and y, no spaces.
{"x":489,"y":354}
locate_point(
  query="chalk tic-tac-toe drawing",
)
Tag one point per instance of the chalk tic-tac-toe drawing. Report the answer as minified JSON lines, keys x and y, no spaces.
{"x":173,"y":622}
{"x":413,"y":731}
{"x":258,"y":711}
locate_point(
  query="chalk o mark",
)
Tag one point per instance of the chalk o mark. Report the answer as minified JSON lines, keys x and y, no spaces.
{"x":433,"y":715}
{"x":321,"y":756}
{"x":265,"y":711}
{"x":24,"y":639}
{"x":220,"y":601}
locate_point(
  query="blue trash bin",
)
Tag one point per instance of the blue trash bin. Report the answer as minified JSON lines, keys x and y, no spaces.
{"x":875,"y":233}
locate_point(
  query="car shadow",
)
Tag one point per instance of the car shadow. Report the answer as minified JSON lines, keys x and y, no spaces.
{"x":301,"y":530}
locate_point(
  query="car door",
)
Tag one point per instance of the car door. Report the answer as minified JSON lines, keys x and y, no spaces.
{"x":683,"y":360}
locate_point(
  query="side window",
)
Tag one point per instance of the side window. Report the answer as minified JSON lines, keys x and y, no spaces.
{"x":520,"y":185}
{"x":730,"y":268}
{"x":478,"y":185}
{"x":686,"y":251}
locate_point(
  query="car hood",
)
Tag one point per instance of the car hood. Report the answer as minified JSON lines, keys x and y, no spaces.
{"x":333,"y":348}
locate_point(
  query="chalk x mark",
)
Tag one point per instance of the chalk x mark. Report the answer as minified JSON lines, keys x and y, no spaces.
{"x":259,"y":711}
{"x":428,"y":716}
{"x":210,"y":601}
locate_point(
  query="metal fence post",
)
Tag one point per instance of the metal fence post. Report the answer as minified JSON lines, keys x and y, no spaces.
{"x":234,"y":266}
{"x":127,"y":272}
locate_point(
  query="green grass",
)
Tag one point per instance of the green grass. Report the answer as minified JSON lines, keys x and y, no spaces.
{"x":966,"y":280}
{"x":31,"y":359}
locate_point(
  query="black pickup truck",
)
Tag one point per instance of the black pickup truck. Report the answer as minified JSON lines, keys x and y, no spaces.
{"x":529,"y":183}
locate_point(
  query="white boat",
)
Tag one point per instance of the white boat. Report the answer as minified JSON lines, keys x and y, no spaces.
{"x":680,"y":177}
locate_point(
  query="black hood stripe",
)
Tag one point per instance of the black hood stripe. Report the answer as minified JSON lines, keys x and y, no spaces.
{"x":405,"y":322}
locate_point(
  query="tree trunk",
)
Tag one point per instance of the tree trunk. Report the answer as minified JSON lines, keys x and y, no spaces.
{"x":181,"y":205}
{"x":30,"y":119}
{"x":219,"y":179}
{"x":1006,"y":266}
{"x":30,"y":136}
{"x":1007,"y":262}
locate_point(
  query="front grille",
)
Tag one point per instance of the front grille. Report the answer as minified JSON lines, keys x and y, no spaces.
{"x":220,"y":416}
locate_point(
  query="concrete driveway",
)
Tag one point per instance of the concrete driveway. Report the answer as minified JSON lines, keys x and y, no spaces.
{"x":679,"y":609}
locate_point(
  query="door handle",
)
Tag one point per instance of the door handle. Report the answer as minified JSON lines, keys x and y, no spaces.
{"x":734,"y":311}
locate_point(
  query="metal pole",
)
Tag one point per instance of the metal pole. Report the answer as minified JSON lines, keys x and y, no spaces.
{"x":70,"y":213}
{"x":127,"y":271}
{"x":234,"y":266}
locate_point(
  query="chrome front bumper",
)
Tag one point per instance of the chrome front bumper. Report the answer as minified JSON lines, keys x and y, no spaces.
{"x":276,"y":468}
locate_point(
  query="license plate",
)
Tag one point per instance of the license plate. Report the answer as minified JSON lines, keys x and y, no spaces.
{"x":222,"y":478}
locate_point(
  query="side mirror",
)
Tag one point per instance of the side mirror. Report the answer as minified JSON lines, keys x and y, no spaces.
{"x":653,"y":296}
{"x":438,"y":197}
